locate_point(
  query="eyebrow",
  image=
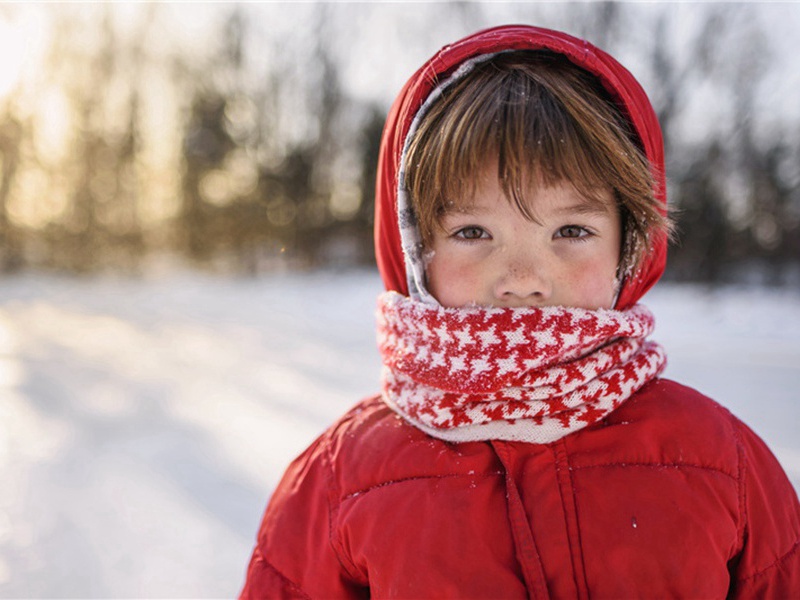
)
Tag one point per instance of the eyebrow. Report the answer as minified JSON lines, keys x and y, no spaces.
{"x":466,"y":209}
{"x":579,"y":206}
{"x":586,"y":207}
{"x":583,"y":207}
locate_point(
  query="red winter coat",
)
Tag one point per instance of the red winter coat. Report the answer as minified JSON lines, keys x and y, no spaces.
{"x":668,"y":496}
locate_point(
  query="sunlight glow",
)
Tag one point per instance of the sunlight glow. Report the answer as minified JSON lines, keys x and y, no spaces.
{"x":13,"y":52}
{"x":11,"y":57}
{"x":55,"y":124}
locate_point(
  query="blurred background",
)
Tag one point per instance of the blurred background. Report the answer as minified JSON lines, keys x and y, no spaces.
{"x":240,"y":138}
{"x":187,"y":277}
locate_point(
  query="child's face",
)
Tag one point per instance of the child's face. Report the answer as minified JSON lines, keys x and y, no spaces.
{"x":488,"y":254}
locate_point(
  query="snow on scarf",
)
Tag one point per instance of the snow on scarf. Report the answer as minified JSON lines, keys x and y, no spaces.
{"x":523,"y":374}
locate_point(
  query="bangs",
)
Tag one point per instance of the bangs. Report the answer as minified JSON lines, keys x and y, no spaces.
{"x":521,"y":127}
{"x":542,"y":121}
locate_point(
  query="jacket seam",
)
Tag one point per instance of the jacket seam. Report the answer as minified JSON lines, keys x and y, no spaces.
{"x":742,"y":485}
{"x":384,"y":484}
{"x":564,"y":472}
{"x":795,"y":547}
{"x":659,"y":465}
{"x":294,"y":587}
{"x":530,"y":561}
{"x":333,"y":538}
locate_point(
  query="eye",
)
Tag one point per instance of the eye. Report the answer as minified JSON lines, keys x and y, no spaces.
{"x":472,"y":232}
{"x":572,"y":231}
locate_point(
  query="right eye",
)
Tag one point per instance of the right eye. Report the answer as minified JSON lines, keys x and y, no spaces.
{"x":472,"y":232}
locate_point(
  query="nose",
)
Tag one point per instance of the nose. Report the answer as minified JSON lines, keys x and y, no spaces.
{"x":523,"y":282}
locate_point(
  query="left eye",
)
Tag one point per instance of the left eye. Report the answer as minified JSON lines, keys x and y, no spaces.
{"x":473,"y":232}
{"x":572,"y":231}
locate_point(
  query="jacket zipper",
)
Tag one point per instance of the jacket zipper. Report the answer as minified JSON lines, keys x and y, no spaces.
{"x":527,"y":553}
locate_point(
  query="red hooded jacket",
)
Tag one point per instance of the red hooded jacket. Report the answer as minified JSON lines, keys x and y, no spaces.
{"x":668,"y":496}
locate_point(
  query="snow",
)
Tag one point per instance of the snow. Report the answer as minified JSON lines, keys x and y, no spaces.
{"x":144,"y":422}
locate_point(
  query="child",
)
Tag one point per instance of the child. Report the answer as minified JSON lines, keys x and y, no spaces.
{"x":524,"y":444}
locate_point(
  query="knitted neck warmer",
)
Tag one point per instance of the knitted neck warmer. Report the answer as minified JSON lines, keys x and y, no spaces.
{"x":523,"y":374}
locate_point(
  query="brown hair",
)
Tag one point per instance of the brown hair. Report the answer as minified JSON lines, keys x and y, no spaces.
{"x":546,"y":121}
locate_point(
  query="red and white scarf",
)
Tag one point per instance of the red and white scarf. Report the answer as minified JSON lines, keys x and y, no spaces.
{"x":523,"y":374}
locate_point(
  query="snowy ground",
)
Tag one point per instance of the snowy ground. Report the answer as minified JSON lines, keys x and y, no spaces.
{"x":143,"y":424}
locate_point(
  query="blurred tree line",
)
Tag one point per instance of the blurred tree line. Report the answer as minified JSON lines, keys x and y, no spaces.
{"x":247,"y":157}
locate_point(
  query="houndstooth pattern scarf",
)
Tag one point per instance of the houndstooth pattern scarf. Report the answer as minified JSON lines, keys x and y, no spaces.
{"x":522,"y":374}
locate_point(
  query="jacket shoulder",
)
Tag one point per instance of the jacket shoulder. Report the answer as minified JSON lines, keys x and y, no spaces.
{"x":371,"y":447}
{"x":364,"y":449}
{"x":669,"y":427}
{"x":664,"y":424}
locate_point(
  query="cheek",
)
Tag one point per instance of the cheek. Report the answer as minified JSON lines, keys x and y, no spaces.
{"x":452,"y":280}
{"x":595,"y":282}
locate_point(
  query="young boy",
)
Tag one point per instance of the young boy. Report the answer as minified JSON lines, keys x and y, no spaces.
{"x":524,"y":444}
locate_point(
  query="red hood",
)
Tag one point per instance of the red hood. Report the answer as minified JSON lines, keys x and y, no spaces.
{"x":614,"y":77}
